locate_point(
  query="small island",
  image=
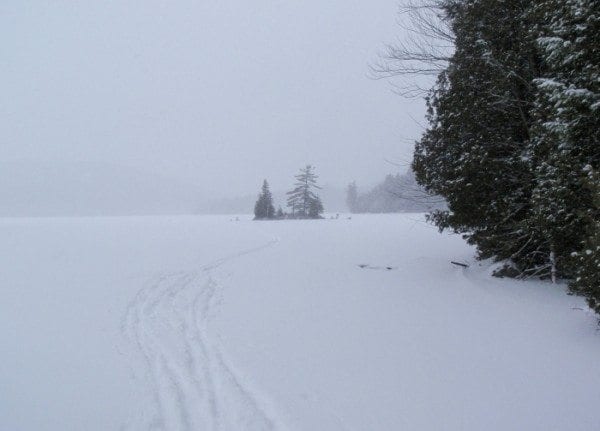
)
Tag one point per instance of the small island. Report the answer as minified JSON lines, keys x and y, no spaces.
{"x":303,"y":201}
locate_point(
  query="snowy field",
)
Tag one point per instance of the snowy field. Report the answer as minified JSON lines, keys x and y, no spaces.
{"x":205,"y":323}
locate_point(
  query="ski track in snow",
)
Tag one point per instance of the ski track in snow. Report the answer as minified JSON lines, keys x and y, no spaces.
{"x":193,"y":387}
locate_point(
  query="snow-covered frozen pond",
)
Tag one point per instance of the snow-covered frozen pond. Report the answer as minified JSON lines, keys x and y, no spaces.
{"x":207,"y":323}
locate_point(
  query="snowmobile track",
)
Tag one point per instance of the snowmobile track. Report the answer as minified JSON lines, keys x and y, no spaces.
{"x":192,"y":384}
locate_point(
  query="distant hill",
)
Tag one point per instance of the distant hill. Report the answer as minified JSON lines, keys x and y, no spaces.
{"x":34,"y":189}
{"x":29,"y":188}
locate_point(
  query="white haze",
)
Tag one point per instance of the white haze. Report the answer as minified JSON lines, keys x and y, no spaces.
{"x":213,"y":96}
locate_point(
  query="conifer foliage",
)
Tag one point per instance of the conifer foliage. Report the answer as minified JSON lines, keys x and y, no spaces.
{"x":586,"y":260}
{"x":303,"y":200}
{"x":264,"y":209}
{"x":513,"y":142}
{"x":566,"y":137}
{"x":475,"y":151}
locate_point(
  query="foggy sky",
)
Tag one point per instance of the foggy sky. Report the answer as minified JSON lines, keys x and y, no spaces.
{"x":217,"y":93}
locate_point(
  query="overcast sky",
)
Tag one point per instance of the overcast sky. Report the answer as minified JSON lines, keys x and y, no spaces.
{"x":219,"y":93}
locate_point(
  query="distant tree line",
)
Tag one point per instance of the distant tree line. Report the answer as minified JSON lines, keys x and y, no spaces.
{"x":513,"y":136}
{"x":396,"y":193}
{"x":302,"y":200}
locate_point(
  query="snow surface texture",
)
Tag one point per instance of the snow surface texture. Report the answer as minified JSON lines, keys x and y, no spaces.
{"x":207,"y":323}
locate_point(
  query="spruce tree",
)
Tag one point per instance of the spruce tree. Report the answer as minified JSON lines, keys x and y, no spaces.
{"x":264,"y":209}
{"x":514,"y":133}
{"x":315,"y":208}
{"x":566,"y":135}
{"x":587,"y":260}
{"x":302,"y":197}
{"x":475,"y":152}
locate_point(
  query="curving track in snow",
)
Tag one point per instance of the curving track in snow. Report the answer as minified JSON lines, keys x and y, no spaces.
{"x":193,"y":386}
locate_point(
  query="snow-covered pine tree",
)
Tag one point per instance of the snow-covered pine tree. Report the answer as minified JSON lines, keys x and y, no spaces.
{"x":264,"y":209}
{"x":475,"y":152}
{"x":303,"y":196}
{"x":514,"y":132}
{"x":587,"y":260}
{"x":566,"y":133}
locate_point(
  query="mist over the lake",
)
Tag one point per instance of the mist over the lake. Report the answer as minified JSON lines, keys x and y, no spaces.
{"x":213,"y":96}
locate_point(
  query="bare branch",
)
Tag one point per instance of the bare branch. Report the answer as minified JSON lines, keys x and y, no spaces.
{"x":424,"y":49}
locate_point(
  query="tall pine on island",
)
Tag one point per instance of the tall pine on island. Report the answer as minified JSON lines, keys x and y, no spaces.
{"x":303,"y":200}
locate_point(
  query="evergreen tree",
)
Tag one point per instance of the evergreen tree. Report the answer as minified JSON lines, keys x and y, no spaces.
{"x":303,"y":196}
{"x":514,"y":132}
{"x":315,"y":208}
{"x":475,"y":152}
{"x":587,"y":260}
{"x":264,"y":209}
{"x":566,"y":135}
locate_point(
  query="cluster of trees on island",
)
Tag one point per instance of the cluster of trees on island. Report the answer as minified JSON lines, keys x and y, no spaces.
{"x":513,"y":136}
{"x":302,"y":200}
